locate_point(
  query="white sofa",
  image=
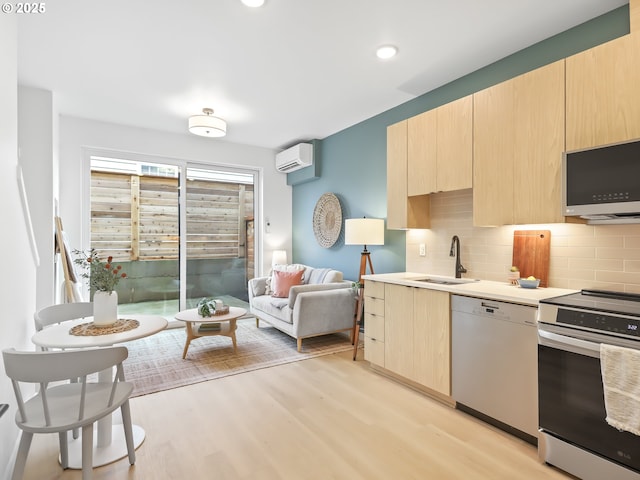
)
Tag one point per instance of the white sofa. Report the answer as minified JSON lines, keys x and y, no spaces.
{"x":323,"y":304}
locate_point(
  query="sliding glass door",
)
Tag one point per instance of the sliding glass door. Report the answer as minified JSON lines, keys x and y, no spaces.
{"x":175,"y":247}
{"x":135,"y":220}
{"x":219,"y":234}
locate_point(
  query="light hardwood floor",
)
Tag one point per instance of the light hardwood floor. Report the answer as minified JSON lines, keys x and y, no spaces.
{"x":322,"y":418}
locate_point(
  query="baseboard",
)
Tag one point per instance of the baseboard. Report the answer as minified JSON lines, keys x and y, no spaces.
{"x":445,"y":399}
{"x":6,"y":475}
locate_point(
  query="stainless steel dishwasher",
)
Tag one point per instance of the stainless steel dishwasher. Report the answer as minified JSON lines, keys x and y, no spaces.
{"x":494,"y":363}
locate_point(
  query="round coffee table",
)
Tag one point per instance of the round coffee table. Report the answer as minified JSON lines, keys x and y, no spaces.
{"x":226,"y":325}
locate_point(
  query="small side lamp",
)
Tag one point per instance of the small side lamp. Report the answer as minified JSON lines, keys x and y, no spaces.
{"x":364,"y":231}
{"x":279,"y":258}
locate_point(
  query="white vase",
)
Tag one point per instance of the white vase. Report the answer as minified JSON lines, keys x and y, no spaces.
{"x":105,"y":308}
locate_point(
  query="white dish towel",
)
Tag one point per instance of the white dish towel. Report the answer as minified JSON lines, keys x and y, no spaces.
{"x":621,"y":381}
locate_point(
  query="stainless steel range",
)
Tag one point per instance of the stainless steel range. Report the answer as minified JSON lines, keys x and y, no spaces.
{"x":574,"y":434}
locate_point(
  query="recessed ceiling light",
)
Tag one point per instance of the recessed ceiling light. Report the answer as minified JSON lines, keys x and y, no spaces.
{"x":253,"y":3}
{"x":386,"y":51}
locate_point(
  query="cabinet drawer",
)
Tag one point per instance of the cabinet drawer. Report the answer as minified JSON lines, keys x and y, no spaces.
{"x":374,"y":306}
{"x":374,"y":289}
{"x":374,"y":326}
{"x":374,"y":351}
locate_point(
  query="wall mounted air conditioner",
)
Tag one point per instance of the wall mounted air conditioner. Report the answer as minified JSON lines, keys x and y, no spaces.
{"x":295,"y":158}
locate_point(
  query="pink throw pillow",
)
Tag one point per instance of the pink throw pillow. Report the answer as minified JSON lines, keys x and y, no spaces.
{"x":282,"y":282}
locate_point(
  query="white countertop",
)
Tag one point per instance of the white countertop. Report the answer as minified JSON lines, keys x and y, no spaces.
{"x":481,"y":289}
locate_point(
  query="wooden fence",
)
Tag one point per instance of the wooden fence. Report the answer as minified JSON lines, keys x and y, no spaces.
{"x":137,"y":218}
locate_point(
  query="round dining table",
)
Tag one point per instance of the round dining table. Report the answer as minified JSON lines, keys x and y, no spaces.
{"x":110,"y":444}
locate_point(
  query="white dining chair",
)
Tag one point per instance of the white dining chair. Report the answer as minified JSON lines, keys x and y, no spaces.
{"x":61,"y":313}
{"x":59,"y":408}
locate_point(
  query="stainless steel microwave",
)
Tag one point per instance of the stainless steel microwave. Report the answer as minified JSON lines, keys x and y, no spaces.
{"x":602,"y":184}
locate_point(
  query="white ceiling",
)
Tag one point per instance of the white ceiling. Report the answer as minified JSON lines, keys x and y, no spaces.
{"x":291,"y":70}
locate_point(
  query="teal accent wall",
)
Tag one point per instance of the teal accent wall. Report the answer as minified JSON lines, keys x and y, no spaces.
{"x":353,"y":161}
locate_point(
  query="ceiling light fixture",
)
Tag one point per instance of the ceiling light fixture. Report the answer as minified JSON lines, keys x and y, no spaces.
{"x":386,"y":51}
{"x":253,"y":3}
{"x":207,"y":125}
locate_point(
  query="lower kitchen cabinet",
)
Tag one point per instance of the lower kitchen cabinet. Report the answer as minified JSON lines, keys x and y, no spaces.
{"x":374,"y":322}
{"x":432,"y":339}
{"x":417,"y":336}
{"x":398,"y":329}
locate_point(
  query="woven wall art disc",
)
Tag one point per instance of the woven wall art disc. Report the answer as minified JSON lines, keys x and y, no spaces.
{"x":327,"y":220}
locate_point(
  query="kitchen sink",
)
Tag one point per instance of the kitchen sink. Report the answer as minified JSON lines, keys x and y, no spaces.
{"x":445,"y":280}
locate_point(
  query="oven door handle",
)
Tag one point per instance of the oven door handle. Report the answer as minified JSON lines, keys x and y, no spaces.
{"x":569,"y":344}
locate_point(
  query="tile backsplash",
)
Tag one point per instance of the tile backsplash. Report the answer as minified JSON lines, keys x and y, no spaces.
{"x":606,"y":257}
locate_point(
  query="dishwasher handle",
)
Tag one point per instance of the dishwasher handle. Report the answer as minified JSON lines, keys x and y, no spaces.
{"x":489,"y":305}
{"x":489,"y":309}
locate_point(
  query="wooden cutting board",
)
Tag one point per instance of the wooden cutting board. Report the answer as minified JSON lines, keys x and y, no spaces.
{"x":531,"y":249}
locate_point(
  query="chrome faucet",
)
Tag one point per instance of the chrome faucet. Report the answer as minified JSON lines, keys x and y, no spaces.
{"x":455,"y":242}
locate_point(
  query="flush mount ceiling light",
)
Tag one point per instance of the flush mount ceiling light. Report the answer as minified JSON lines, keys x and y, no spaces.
{"x":386,"y":51}
{"x":253,"y":3}
{"x":207,"y":125}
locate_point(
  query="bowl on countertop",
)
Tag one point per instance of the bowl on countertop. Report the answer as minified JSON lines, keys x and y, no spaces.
{"x":524,"y":283}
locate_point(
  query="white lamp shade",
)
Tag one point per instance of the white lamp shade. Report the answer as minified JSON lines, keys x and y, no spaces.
{"x":279,"y":258}
{"x":364,"y":231}
{"x":207,"y":126}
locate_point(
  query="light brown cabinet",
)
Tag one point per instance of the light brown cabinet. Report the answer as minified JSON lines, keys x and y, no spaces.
{"x":512,"y":136}
{"x":518,"y":130}
{"x":398,"y":329}
{"x":440,"y":148}
{"x":417,"y":338}
{"x":422,"y":153}
{"x":374,"y":322}
{"x":603,"y":98}
{"x":432,"y":339}
{"x":402,"y":211}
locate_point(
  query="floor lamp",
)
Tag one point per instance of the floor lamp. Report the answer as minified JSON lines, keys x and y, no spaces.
{"x":364,"y":231}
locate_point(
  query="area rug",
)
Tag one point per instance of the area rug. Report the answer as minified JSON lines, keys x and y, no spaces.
{"x":155,"y":363}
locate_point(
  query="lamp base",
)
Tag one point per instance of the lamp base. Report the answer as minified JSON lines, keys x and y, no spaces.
{"x":365,"y":258}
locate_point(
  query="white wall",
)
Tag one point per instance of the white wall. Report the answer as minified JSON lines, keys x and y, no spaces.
{"x":36,"y":132}
{"x":606,"y":257}
{"x":18,"y":292}
{"x":17,"y":295}
{"x":77,"y":134}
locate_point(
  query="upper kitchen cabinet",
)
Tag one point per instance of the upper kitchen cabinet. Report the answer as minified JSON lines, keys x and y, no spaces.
{"x":493,"y":149}
{"x":518,"y":141}
{"x":440,"y":148}
{"x":422,"y":152}
{"x":402,"y":211}
{"x":455,"y":145}
{"x":603,"y":98}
